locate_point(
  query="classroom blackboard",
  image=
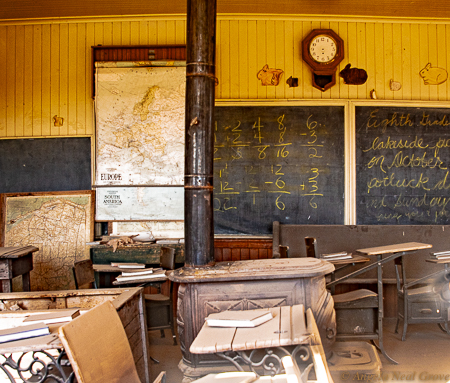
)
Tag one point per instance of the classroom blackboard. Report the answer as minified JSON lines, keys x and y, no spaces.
{"x":277,"y":163}
{"x":45,"y":164}
{"x":402,"y":165}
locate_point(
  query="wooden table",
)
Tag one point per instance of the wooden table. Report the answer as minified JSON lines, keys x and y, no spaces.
{"x":15,"y":261}
{"x":127,"y":301}
{"x":383,"y":254}
{"x":288,"y":327}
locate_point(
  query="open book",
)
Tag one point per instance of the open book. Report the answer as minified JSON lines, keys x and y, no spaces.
{"x":244,"y":318}
{"x":23,"y":332}
{"x":58,"y":316}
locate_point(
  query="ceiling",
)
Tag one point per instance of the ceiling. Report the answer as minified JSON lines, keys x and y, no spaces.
{"x":29,"y":9}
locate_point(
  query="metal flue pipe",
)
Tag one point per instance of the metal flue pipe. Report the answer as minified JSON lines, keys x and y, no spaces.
{"x":200,"y":95}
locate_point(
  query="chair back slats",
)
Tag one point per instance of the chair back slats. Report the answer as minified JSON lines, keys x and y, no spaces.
{"x":167,"y":258}
{"x":83,"y":272}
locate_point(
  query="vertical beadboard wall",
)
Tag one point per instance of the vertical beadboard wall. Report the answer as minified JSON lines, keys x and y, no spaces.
{"x":45,"y":65}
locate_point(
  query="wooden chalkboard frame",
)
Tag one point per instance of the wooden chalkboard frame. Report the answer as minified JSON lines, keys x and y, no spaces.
{"x":414,"y":217}
{"x":341,"y":106}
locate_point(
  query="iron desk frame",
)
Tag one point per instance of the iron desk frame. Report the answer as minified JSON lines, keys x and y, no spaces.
{"x":31,"y":356}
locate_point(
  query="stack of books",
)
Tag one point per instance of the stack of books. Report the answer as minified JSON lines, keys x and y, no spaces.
{"x":141,"y":274}
{"x":441,"y":255}
{"x":336,"y":256}
{"x":128,"y":265}
{"x":24,"y":332}
{"x":52,"y":317}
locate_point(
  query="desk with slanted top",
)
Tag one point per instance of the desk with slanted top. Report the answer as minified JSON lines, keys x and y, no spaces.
{"x":15,"y":261}
{"x":390,"y":253}
{"x":288,"y":327}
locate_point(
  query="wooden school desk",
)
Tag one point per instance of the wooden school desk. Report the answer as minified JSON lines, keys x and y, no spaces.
{"x":383,"y":255}
{"x":15,"y":261}
{"x":288,"y":327}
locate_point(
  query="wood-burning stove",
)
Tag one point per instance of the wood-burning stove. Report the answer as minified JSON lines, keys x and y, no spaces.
{"x":243,"y":285}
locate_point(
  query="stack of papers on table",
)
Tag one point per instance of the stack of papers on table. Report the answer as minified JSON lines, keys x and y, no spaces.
{"x":244,"y":318}
{"x":24,"y":332}
{"x":441,"y":255}
{"x":336,"y":256}
{"x":58,"y":316}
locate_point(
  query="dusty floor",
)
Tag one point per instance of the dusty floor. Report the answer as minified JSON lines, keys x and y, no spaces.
{"x":423,"y":357}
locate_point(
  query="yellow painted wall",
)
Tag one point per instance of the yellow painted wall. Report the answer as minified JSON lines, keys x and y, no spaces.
{"x":45,"y":65}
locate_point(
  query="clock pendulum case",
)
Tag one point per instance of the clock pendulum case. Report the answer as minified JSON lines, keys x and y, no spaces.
{"x":323,"y":50}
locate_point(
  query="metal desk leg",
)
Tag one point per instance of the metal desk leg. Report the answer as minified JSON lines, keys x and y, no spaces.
{"x":381,"y":310}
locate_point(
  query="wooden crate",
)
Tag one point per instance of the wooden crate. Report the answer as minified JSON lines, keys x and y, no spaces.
{"x":129,"y":303}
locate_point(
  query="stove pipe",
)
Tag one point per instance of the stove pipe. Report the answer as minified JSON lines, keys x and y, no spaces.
{"x":199,"y":139}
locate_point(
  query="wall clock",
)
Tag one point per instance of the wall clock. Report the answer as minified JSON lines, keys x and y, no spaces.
{"x":323,"y":50}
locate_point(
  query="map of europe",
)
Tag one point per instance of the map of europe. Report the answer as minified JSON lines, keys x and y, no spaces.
{"x":140,"y":126}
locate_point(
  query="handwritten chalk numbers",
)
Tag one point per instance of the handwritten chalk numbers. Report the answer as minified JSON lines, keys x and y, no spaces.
{"x":312,"y":188}
{"x":257,"y":130}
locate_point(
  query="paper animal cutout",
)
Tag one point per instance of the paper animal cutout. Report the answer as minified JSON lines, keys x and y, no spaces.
{"x":353,"y":76}
{"x":394,"y":85}
{"x":269,"y":76}
{"x":292,"y":82}
{"x":433,"y":75}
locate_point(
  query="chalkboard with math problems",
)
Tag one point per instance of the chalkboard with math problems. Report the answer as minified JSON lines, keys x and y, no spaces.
{"x":402,"y":165}
{"x":277,"y":163}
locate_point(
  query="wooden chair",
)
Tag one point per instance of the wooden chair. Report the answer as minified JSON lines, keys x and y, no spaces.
{"x":354,"y":310}
{"x":311,"y":243}
{"x":159,"y":307}
{"x":84,"y":275}
{"x":98,"y":348}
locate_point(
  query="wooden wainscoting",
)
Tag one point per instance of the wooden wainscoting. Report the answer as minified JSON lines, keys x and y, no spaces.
{"x":237,"y":249}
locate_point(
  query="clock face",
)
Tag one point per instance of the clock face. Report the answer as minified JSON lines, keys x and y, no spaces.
{"x":323,"y":49}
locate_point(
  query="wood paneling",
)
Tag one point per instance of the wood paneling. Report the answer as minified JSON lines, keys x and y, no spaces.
{"x":227,"y":250}
{"x":18,"y":9}
{"x":45,"y":64}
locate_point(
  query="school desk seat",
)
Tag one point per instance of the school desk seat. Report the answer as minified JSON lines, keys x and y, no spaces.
{"x":97,"y":347}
